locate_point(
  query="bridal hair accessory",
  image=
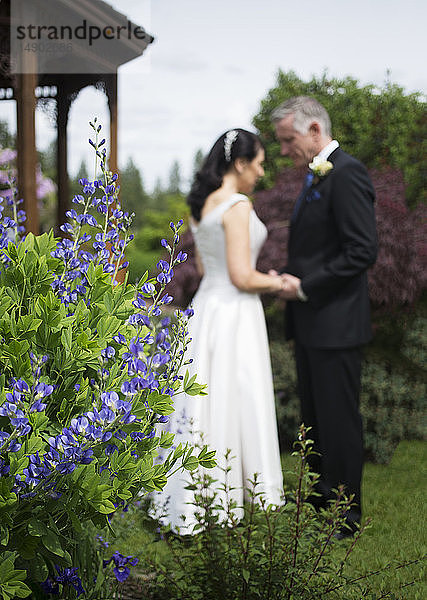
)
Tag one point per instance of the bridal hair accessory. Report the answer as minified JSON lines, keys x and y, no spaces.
{"x":320,"y":167}
{"x":230,"y":138}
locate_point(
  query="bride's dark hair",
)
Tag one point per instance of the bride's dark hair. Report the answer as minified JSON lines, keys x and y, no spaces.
{"x":233,"y":144}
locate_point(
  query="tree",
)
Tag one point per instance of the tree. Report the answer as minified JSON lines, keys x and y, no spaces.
{"x":7,"y":140}
{"x":132,"y":194}
{"x":198,"y":161}
{"x":175,"y":180}
{"x":383,"y":127}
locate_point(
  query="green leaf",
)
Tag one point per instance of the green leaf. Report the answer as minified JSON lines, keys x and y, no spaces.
{"x":37,"y":528}
{"x":4,"y":535}
{"x":17,"y":465}
{"x":166,"y":440}
{"x":28,"y":323}
{"x":160,"y":403}
{"x":192,"y":388}
{"x":108,"y":326}
{"x":39,"y":569}
{"x":67,"y":338}
{"x":51,"y":542}
{"x":190,"y":463}
{"x":11,"y":579}
{"x":105,"y":507}
{"x":34,"y":443}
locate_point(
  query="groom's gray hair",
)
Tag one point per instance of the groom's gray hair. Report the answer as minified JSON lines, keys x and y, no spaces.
{"x":305,"y":110}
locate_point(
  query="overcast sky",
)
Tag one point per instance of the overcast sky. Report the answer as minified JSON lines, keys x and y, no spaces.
{"x":213,"y":61}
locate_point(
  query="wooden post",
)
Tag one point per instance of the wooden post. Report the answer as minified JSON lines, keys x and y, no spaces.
{"x":62,"y":106}
{"x":112,"y":101}
{"x":111,"y":89}
{"x":26,"y":148}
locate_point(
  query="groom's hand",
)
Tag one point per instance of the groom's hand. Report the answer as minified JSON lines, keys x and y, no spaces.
{"x":291,"y":285}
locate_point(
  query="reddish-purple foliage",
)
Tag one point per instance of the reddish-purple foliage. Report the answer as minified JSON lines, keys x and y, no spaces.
{"x":398,"y":276}
{"x":396,"y":279}
{"x":186,"y":278}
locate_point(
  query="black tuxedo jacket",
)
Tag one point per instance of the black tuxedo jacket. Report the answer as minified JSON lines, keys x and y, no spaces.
{"x":332,"y":242}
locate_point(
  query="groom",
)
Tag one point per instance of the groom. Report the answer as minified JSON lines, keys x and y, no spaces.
{"x":332,"y":243}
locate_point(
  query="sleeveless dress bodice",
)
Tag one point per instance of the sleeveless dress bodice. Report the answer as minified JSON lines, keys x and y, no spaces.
{"x":209,"y":237}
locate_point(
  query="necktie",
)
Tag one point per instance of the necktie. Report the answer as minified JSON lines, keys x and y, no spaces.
{"x":307,"y":184}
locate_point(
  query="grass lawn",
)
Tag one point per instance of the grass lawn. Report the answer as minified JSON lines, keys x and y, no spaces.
{"x":393,"y":497}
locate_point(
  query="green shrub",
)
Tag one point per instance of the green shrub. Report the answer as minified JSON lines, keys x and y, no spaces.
{"x":393,"y":409}
{"x":88,"y":369}
{"x":286,"y":552}
{"x":415,"y":342}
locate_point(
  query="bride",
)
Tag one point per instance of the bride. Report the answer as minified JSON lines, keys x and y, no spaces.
{"x":229,"y":343}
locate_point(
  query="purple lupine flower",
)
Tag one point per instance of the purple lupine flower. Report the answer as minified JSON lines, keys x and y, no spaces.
{"x":104,"y":417}
{"x":136,"y":347}
{"x":49,"y":586}
{"x":163,"y":265}
{"x":139,"y":301}
{"x":148,"y":288}
{"x":43,"y":390}
{"x":165,"y":278}
{"x":121,"y":570}
{"x":102,"y":542}
{"x":110,"y":448}
{"x":181,"y":257}
{"x":4,"y":468}
{"x":21,"y":386}
{"x":13,"y":446}
{"x":166,"y":299}
{"x":120,"y":338}
{"x":69,"y":577}
{"x":80,"y":425}
{"x":67,"y":228}
{"x":139,"y":319}
{"x":12,"y":398}
{"x":108,"y":352}
{"x":37,"y":406}
{"x":111,"y":400}
{"x":136,"y":365}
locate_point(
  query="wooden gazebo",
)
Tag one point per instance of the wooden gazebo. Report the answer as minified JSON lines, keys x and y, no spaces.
{"x":31,"y":83}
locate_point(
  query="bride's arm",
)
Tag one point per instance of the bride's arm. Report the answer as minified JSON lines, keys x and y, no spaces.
{"x":199,"y":264}
{"x":242,"y":275}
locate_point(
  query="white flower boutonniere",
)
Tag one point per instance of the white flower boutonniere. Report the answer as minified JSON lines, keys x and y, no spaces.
{"x":320,"y":167}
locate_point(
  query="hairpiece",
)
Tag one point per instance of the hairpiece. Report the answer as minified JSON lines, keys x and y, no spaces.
{"x":230,"y":138}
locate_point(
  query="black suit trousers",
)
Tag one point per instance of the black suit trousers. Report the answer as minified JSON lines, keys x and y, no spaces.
{"x":329,"y":388}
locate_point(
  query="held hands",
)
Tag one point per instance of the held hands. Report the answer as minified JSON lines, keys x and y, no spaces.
{"x":289,"y":285}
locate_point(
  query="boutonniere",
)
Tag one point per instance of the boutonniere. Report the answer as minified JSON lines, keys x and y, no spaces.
{"x":320,"y":168}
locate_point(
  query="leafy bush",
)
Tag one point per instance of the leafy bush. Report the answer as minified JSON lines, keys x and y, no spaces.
{"x":381,"y":126}
{"x":143,"y":253}
{"x":284,"y":552}
{"x":393,"y":409}
{"x":88,"y":369}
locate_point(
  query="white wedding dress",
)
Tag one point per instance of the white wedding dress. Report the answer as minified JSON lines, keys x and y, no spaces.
{"x":230,"y":354}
